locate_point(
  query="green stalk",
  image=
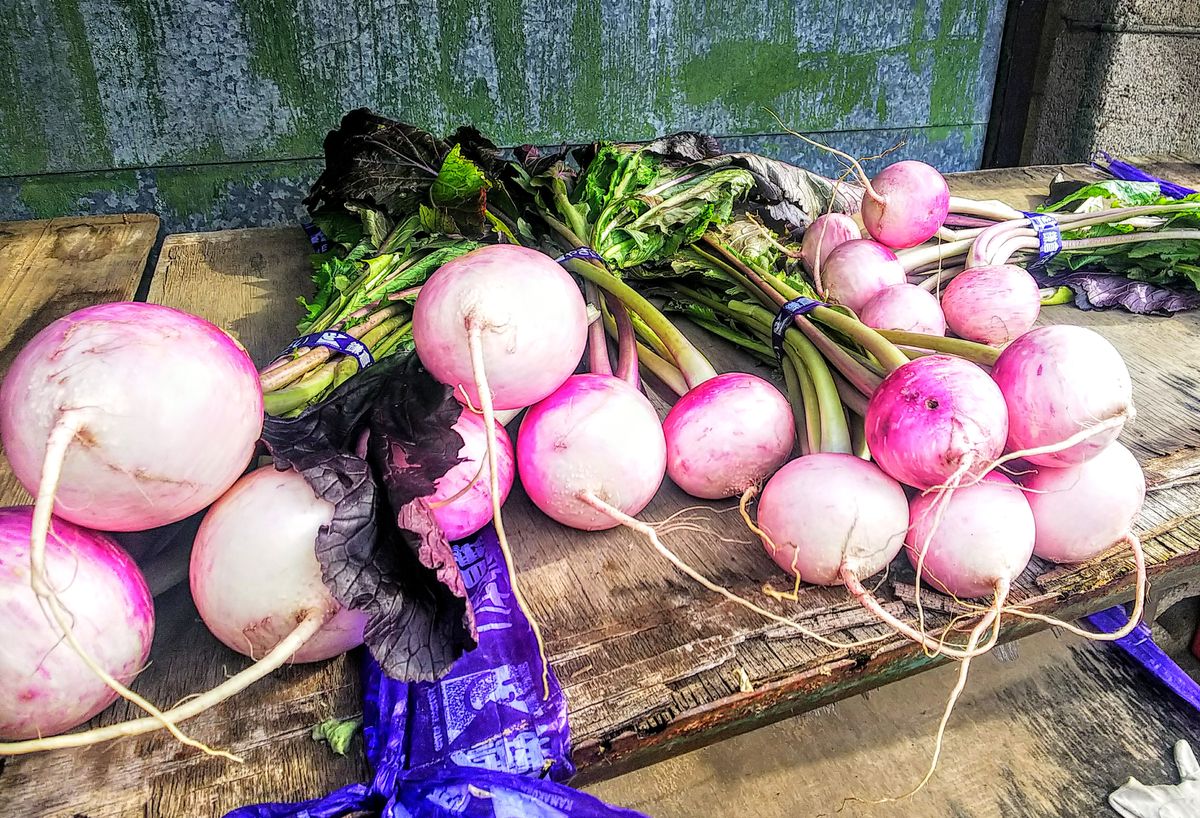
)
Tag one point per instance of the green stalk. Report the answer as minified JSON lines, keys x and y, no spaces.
{"x":282,"y":401}
{"x":858,"y":437}
{"x":389,"y":345}
{"x":971,"y":351}
{"x":343,"y":370}
{"x":803,"y":398}
{"x":759,"y":350}
{"x":835,"y":437}
{"x":661,"y":368}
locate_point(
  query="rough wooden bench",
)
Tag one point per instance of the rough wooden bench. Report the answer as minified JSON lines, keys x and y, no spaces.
{"x":653,"y":665}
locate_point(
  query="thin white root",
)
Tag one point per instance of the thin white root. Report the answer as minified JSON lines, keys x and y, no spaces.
{"x":650,"y":534}
{"x":854,"y":163}
{"x":194,"y":706}
{"x":933,"y":646}
{"x":59,"y":440}
{"x":941,"y":504}
{"x":458,"y":494}
{"x":1135,"y":616}
{"x":474,"y":340}
{"x":1114,"y":422}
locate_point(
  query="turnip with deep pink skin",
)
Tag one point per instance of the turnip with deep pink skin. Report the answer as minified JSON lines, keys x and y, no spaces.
{"x":905,"y":204}
{"x":1068,"y":392}
{"x":462,"y":503}
{"x":991,"y":305}
{"x":829,"y":513}
{"x":827,"y":232}
{"x":530,"y":318}
{"x":936,"y":420}
{"x":255,"y":574}
{"x":1082,"y":511}
{"x":905,"y":307}
{"x":596,"y":435}
{"x":47,"y":689}
{"x":981,"y":540}
{"x":160,"y":410}
{"x":727,"y":434}
{"x":857,"y":270}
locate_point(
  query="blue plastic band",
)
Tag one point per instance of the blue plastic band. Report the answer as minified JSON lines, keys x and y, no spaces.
{"x":580,"y":252}
{"x":337,"y":341}
{"x":1049,"y":237}
{"x":797,"y":306}
{"x":316,"y":238}
{"x":1140,"y":646}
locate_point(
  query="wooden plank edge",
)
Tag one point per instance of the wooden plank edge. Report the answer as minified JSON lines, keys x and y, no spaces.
{"x":603,"y":758}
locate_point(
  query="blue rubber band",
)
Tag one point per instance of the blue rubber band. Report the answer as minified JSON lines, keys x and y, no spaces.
{"x":337,"y":341}
{"x":787,"y":313}
{"x":316,"y":237}
{"x":580,"y":252}
{"x":1049,"y":238}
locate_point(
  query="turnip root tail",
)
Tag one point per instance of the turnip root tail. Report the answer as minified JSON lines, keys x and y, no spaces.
{"x":854,"y":163}
{"x":1115,"y":422}
{"x":62,"y":435}
{"x":1135,"y":616}
{"x":651,"y":534}
{"x":475,"y":343}
{"x":794,"y":594}
{"x":274,"y":659}
{"x":869,"y":601}
{"x":989,"y":620}
{"x":943,"y":501}
{"x":458,"y":494}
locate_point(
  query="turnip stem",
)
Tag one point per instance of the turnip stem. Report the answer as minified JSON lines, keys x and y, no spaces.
{"x":275,"y":659}
{"x":918,"y":257}
{"x":658,"y":366}
{"x":988,"y":209}
{"x":627,"y":356}
{"x":650,"y":534}
{"x":597,"y":343}
{"x":969,"y":350}
{"x":791,"y":381}
{"x":475,"y":342}
{"x":70,"y":423}
{"x":277,"y":375}
{"x":695,"y":367}
{"x":282,"y":401}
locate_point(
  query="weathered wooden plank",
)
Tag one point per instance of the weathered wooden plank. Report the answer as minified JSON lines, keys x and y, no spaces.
{"x":1048,"y":735}
{"x":144,"y":84}
{"x":51,"y":268}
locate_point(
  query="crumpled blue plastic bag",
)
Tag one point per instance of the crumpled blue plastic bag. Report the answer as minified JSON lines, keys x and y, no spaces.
{"x":482,"y":742}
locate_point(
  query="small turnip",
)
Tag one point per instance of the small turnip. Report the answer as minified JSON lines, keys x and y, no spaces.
{"x":462,"y":503}
{"x":904,"y":307}
{"x":991,"y":305}
{"x":826,"y":233}
{"x":857,"y":270}
{"x":905,"y":204}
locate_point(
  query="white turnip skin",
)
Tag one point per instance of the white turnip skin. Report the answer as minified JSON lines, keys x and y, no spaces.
{"x":827,"y":232}
{"x":1068,"y":392}
{"x":462,"y":501}
{"x":935,"y":421}
{"x":991,"y":305}
{"x":829,"y":512}
{"x":529,"y":313}
{"x":596,"y":434}
{"x":857,"y":270}
{"x":165,"y":410}
{"x":906,"y":203}
{"x":728,"y":434}
{"x":981,"y":537}
{"x":254,"y":572}
{"x":1082,"y":511}
{"x":47,"y":688}
{"x":905,"y":307}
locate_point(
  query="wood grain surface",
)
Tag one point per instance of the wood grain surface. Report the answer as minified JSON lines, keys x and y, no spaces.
{"x":53,"y":267}
{"x":652,"y":664}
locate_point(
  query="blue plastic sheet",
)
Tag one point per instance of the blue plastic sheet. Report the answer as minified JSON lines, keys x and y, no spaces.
{"x":483,"y":742}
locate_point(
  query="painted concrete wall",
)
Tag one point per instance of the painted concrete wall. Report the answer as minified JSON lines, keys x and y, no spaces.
{"x":212,"y":112}
{"x":1120,"y":76}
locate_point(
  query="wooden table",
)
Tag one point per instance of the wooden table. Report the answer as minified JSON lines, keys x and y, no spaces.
{"x":653,"y":665}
